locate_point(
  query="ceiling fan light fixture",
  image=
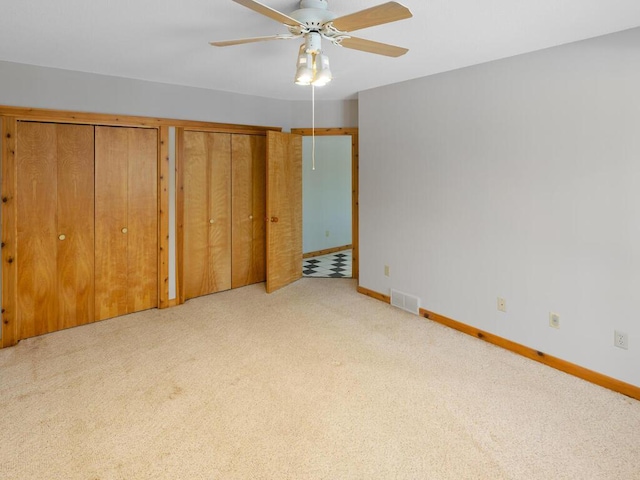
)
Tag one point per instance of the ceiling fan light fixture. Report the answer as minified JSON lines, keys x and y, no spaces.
{"x":304,"y":76}
{"x":321,"y":69}
{"x":304,"y":68}
{"x":312,"y":68}
{"x":315,"y":22}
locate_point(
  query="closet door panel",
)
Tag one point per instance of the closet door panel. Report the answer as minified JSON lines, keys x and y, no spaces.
{"x":242,"y":210}
{"x":75,"y":206}
{"x":219,"y":152}
{"x":142,"y":223}
{"x":259,"y":200}
{"x":111,"y":233}
{"x":196,"y":215}
{"x":36,"y":227}
{"x":249,"y":189}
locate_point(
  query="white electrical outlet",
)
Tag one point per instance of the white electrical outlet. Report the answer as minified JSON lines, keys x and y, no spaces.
{"x":502,"y":304}
{"x":387,"y":271}
{"x":554,"y":320}
{"x":621,"y":340}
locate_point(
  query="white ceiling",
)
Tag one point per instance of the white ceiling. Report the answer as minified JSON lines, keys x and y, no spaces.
{"x":167,"y":41}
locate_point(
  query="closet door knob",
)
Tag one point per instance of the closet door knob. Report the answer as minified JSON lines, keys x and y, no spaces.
{"x":211,"y":221}
{"x":62,"y":237}
{"x":124,"y":230}
{"x":250,"y":217}
{"x":274,"y":219}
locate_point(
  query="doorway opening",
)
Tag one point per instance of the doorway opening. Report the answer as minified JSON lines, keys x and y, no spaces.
{"x":330,"y":203}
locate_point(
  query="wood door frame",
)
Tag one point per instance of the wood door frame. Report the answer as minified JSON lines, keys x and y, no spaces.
{"x":355,"y":184}
{"x":106,"y":119}
{"x":9,"y":232}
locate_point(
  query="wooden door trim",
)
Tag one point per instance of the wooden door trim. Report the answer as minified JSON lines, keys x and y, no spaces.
{"x":307,"y":132}
{"x":355,"y":184}
{"x":163,"y":217}
{"x":9,"y":233}
{"x":180,"y":215}
{"x":65,"y":116}
{"x":236,"y":130}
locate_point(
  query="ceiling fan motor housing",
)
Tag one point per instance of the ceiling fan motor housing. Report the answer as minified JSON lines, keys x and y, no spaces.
{"x":321,"y":4}
{"x":314,"y":14}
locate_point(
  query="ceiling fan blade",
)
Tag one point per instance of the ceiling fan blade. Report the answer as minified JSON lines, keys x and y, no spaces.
{"x":269,"y":12}
{"x":385,"y":13}
{"x":373,"y":47}
{"x":228,"y":43}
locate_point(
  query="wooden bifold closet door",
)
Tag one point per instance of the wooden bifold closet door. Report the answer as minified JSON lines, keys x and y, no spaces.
{"x":55,"y":226}
{"x":126,"y":210}
{"x":224,"y":211}
{"x":248,"y":210}
{"x":207,"y":213}
{"x":87,"y":230}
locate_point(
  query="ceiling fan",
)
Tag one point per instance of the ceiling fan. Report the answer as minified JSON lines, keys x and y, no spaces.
{"x":314,"y":21}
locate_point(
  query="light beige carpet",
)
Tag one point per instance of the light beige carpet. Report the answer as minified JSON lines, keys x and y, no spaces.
{"x":312,"y":382}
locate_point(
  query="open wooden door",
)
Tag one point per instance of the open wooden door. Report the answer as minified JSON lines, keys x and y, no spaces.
{"x":284,"y":209}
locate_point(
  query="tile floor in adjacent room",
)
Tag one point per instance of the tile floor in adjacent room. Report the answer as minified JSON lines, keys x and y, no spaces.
{"x":335,"y":265}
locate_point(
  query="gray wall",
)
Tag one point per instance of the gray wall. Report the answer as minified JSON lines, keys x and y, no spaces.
{"x":518,"y":178}
{"x":330,"y":113}
{"x":42,"y":87}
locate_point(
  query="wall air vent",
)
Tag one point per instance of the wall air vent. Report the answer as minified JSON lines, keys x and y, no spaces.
{"x":405,"y":302}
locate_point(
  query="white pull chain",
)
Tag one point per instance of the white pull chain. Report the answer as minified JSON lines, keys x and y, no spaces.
{"x":313,"y":127}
